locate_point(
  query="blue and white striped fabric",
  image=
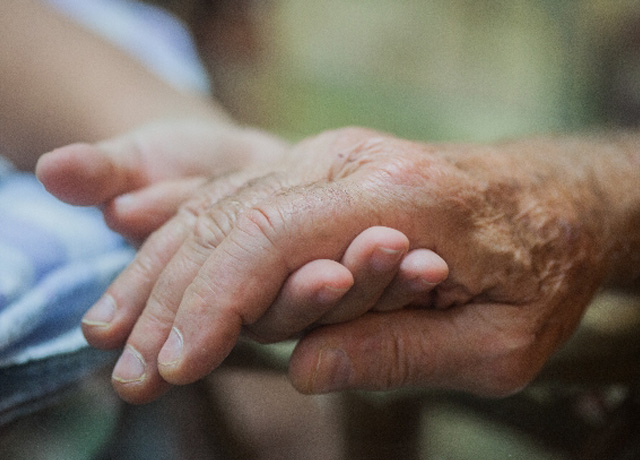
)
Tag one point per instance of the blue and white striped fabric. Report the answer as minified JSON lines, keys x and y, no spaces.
{"x":55,"y":262}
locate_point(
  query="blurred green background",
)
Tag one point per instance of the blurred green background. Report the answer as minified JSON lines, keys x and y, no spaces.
{"x":435,"y":70}
{"x":457,"y":70}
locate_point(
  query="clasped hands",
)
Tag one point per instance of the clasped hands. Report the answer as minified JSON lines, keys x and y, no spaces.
{"x":394,"y":263}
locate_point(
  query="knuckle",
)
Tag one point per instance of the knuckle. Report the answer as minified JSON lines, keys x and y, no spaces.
{"x":257,"y":231}
{"x":211,"y":224}
{"x":404,"y":359}
{"x":199,"y":295}
{"x":213,"y":219}
{"x":353,"y":152}
{"x":191,"y":209}
{"x":399,"y":374}
{"x":399,"y":170}
{"x":158,"y":314}
{"x":215,"y":194}
{"x":158,"y":319}
{"x":399,"y":356}
{"x":261,"y":221}
{"x":145,"y":266}
{"x":211,"y":228}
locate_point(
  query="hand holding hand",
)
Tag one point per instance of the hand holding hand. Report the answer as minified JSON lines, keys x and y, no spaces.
{"x":522,"y":268}
{"x":142,"y":165}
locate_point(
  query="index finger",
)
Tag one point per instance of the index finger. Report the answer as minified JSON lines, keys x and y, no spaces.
{"x":243,"y":275}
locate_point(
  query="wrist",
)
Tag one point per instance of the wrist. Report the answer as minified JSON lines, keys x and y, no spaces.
{"x":548,"y":190}
{"x":618,"y":174}
{"x":592,"y":183}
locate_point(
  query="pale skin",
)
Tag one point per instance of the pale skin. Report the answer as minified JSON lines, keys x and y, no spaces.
{"x":378,"y":269}
{"x":75,"y":86}
{"x":529,"y":230}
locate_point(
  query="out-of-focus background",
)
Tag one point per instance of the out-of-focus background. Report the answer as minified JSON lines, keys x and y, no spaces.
{"x":456,"y":70}
{"x":431,"y":70}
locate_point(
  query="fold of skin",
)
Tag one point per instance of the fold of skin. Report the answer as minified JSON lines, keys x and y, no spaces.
{"x":529,"y":229}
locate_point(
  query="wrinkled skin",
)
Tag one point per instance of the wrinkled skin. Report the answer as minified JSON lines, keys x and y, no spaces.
{"x":138,"y":183}
{"x":523,"y":264}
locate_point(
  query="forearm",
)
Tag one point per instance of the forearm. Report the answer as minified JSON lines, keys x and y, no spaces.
{"x":60,"y":84}
{"x":590,"y":182}
{"x":615,"y":168}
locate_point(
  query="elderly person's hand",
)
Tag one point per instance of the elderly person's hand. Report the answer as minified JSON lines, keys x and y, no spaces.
{"x":530,"y":229}
{"x":523,"y":228}
{"x":140,"y":178}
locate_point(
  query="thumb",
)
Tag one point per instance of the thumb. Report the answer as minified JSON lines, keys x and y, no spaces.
{"x":93,"y":174}
{"x":84,"y":174}
{"x":450,"y":349}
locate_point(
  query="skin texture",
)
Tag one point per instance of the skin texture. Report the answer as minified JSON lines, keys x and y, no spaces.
{"x":529,"y":231}
{"x":150,"y":161}
{"x":74,"y":86}
{"x":59,"y":83}
{"x":377,"y":270}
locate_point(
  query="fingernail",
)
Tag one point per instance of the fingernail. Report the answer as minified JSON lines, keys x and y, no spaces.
{"x":102,"y":313}
{"x":384,"y":259}
{"x":172,"y":349}
{"x":333,"y":371}
{"x":130,"y":367}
